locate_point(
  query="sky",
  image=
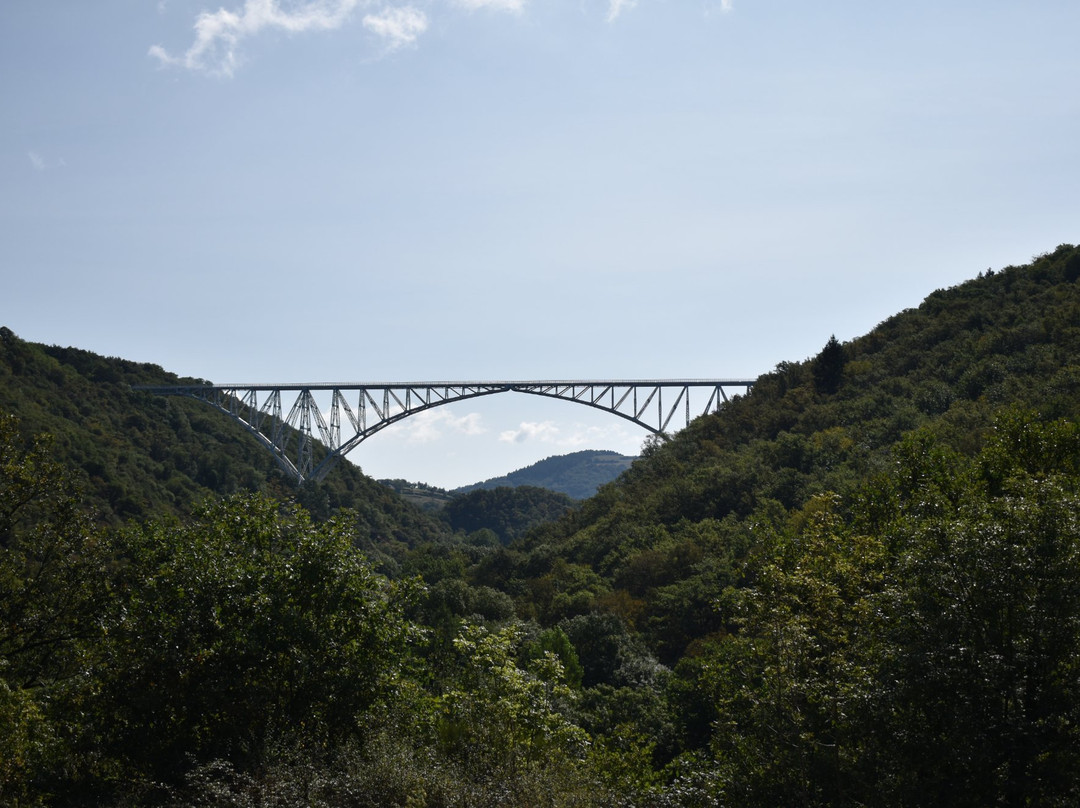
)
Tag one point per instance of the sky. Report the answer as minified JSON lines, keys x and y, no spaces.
{"x":361,"y":190}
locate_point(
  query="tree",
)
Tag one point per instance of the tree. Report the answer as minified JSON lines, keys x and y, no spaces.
{"x":249,"y":625}
{"x":497,"y":718}
{"x":792,"y":688}
{"x":985,"y":629}
{"x":828,"y":367}
{"x":53,"y":596}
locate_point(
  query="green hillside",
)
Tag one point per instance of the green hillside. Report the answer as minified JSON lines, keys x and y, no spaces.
{"x":857,"y":585}
{"x":805,"y":502}
{"x":578,"y":474}
{"x":946,"y":370}
{"x":1007,"y":339}
{"x":139,"y":455}
{"x":510,"y":513}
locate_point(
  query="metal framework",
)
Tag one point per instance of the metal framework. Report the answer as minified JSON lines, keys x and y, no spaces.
{"x":369,"y":407}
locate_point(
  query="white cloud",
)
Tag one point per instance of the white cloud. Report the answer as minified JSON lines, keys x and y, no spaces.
{"x":544,"y":431}
{"x":575,"y":436}
{"x":218,"y":33}
{"x":516,"y":6}
{"x":40,"y":163}
{"x":616,"y":7}
{"x":398,"y":26}
{"x":428,"y":426}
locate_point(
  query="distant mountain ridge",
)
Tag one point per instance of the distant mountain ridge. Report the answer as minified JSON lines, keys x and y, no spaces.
{"x":578,"y":475}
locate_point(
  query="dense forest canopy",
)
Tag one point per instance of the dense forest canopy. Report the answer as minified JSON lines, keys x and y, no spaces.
{"x":858,"y":584}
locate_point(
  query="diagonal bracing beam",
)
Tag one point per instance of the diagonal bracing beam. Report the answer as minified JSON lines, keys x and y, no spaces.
{"x":371,"y":407}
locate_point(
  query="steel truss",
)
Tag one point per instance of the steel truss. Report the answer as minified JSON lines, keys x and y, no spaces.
{"x":309,"y":439}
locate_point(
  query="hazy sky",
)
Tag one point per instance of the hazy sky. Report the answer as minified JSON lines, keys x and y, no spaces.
{"x":345,"y":190}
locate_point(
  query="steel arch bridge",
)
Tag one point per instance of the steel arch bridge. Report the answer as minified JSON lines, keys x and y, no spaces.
{"x":290,"y":433}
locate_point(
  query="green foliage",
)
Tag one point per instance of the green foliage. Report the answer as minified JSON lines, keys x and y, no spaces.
{"x":500,"y":715}
{"x":28,"y":744}
{"x":828,"y":367}
{"x":555,"y":641}
{"x":248,"y":623}
{"x":426,"y":497}
{"x":858,"y":584}
{"x":984,"y":636}
{"x":43,"y":550}
{"x":509,"y":512}
{"x":141,"y":456}
{"x":932,"y":660}
{"x":577,"y":475}
{"x":54,"y":570}
{"x":792,"y":686}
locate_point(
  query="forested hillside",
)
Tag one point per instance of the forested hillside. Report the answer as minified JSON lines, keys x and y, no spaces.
{"x":508,"y":512}
{"x":859,"y":584}
{"x":831,"y":587}
{"x":578,"y":474}
{"x":139,"y":455}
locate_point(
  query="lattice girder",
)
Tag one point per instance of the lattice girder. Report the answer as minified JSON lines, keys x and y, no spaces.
{"x":651,"y":404}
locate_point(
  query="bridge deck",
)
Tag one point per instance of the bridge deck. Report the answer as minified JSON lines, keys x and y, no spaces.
{"x":288,"y":432}
{"x":166,"y":388}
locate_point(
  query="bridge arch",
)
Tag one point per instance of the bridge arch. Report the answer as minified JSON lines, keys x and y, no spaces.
{"x":306,"y":443}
